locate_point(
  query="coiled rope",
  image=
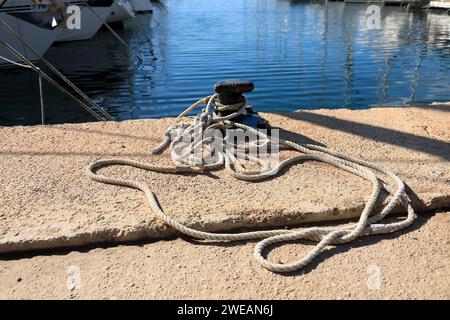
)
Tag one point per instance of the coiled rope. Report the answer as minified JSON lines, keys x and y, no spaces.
{"x":187,"y":162}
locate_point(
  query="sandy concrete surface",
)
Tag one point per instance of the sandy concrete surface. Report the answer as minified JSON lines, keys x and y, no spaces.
{"x":414,"y":264}
{"x":48,"y":202}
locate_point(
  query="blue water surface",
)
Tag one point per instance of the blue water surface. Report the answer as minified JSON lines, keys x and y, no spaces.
{"x":299,"y":55}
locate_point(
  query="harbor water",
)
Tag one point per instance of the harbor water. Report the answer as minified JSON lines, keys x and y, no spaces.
{"x":300,"y":55}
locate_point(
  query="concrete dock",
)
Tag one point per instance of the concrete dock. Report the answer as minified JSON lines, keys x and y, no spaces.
{"x":49,"y":203}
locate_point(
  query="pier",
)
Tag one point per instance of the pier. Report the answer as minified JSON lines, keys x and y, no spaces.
{"x":50,"y":204}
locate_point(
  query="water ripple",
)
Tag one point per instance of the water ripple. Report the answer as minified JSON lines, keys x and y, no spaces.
{"x":299,"y":55}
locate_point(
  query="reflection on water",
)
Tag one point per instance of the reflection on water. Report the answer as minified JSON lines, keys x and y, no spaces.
{"x":299,"y":54}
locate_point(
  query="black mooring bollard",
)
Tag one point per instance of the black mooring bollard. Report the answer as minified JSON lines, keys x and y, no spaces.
{"x":231,"y":92}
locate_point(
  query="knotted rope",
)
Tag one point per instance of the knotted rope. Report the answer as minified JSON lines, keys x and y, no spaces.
{"x":188,"y":161}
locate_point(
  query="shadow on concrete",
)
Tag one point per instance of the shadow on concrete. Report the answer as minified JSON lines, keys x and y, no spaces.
{"x":375,"y":133}
{"x":397,"y":138}
{"x":297,"y":138}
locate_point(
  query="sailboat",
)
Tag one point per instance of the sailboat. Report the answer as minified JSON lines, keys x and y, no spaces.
{"x":122,"y":10}
{"x":142,"y":6}
{"x":93,"y":13}
{"x":36,"y":25}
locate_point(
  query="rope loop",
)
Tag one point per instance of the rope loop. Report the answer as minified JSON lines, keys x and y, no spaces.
{"x":187,"y":160}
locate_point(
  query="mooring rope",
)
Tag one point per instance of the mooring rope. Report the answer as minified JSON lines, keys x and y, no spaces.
{"x":187,"y":161}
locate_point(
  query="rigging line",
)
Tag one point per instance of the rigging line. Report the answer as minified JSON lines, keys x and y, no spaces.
{"x":162,"y":6}
{"x":58,"y":73}
{"x":115,"y":34}
{"x":41,"y":98}
{"x":19,"y":26}
{"x":15,"y":63}
{"x":51,"y":81}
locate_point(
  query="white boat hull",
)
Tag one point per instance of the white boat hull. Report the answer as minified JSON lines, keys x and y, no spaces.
{"x":90,"y":24}
{"x":440,"y":4}
{"x":122,"y":10}
{"x":142,"y":6}
{"x":39,"y":38}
